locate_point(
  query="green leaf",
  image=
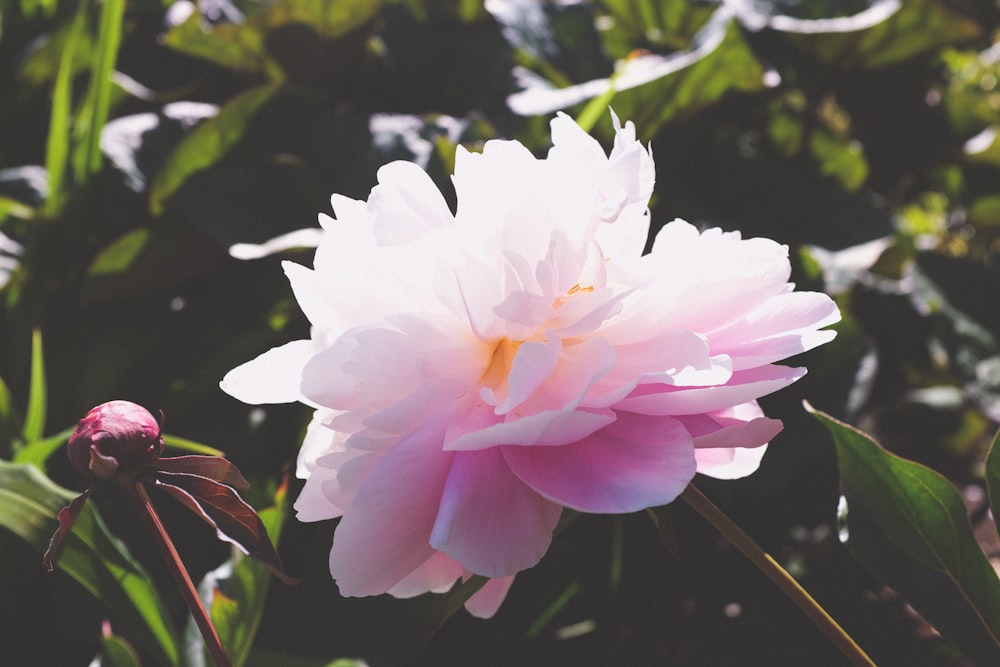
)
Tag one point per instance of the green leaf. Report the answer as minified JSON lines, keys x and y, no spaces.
{"x":121,"y":254}
{"x":87,"y":158}
{"x":184,"y":444}
{"x":12,"y":207}
{"x":207,"y":144}
{"x":917,"y":27}
{"x":328,"y":18}
{"x":117,"y":652}
{"x":39,"y":451}
{"x":29,"y":502}
{"x":58,"y":142}
{"x":237,"y":46}
{"x":908,"y":525}
{"x":842,"y":159}
{"x":657,"y":90}
{"x":243,"y":46}
{"x":993,"y":478}
{"x":34,"y":418}
{"x":237,"y":605}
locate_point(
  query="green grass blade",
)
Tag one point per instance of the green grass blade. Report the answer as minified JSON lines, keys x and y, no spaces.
{"x":34,"y":418}
{"x":186,"y":445}
{"x":29,"y":502}
{"x":38,"y":452}
{"x":207,"y":143}
{"x":58,"y":141}
{"x":108,"y":40}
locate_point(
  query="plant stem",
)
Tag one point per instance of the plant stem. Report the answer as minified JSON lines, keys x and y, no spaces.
{"x":137,"y":493}
{"x":777,"y":574}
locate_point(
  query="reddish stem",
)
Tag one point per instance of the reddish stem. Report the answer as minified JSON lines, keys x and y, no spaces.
{"x":137,"y":493}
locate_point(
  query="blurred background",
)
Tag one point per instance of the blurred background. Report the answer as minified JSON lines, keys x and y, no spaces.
{"x":148,"y":148}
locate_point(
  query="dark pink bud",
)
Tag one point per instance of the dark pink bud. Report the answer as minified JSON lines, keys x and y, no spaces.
{"x":115,"y":436}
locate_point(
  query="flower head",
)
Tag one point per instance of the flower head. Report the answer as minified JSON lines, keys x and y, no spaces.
{"x":474,"y":373}
{"x":117,"y":435}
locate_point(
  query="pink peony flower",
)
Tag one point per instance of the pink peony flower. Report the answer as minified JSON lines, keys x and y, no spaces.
{"x":473,"y":374}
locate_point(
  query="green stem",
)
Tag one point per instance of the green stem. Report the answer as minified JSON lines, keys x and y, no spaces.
{"x":777,"y":574}
{"x":137,"y":493}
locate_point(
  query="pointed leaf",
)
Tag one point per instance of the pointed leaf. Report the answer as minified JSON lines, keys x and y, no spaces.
{"x":34,"y":419}
{"x":212,"y":467}
{"x":908,"y":525}
{"x":993,"y":478}
{"x":29,"y":503}
{"x":39,"y":451}
{"x":223,"y":509}
{"x":176,"y":442}
{"x":241,"y":586}
{"x":207,"y":143}
{"x":58,"y":142}
{"x":117,"y":652}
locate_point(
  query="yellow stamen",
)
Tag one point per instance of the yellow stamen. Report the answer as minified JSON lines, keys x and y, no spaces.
{"x":500,"y":363}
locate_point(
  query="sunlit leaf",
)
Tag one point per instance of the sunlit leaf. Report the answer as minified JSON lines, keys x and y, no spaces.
{"x":329,"y":18}
{"x":97,"y":103}
{"x":889,"y":32}
{"x":208,"y":142}
{"x":39,"y":451}
{"x":34,"y":418}
{"x":186,"y":445}
{"x":237,"y":607}
{"x":841,"y":159}
{"x":237,"y":46}
{"x":223,"y":509}
{"x":117,"y":652}
{"x":213,"y":467}
{"x":908,"y":525}
{"x":120,"y":255}
{"x":29,"y":502}
{"x":653,"y":89}
{"x":12,"y":207}
{"x":58,"y":143}
{"x":243,"y":46}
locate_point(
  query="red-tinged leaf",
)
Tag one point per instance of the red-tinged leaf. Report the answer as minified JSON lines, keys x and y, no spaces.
{"x":212,"y":467}
{"x":223,"y":509}
{"x":66,"y":517}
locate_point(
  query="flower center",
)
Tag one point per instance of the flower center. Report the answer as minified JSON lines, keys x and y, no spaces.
{"x":500,"y":363}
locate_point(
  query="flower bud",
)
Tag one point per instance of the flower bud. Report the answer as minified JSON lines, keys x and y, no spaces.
{"x":115,"y":436}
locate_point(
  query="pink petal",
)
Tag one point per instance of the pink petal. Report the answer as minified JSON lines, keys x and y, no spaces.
{"x":533,"y":364}
{"x":743,"y":386}
{"x":273,"y":377}
{"x":557,"y":427}
{"x":383,"y":536}
{"x":782,"y":326}
{"x":637,"y":462}
{"x":485,"y":602}
{"x":405,"y":204}
{"x":313,"y":503}
{"x":729,"y":463}
{"x":437,"y":574}
{"x":489,"y":519}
